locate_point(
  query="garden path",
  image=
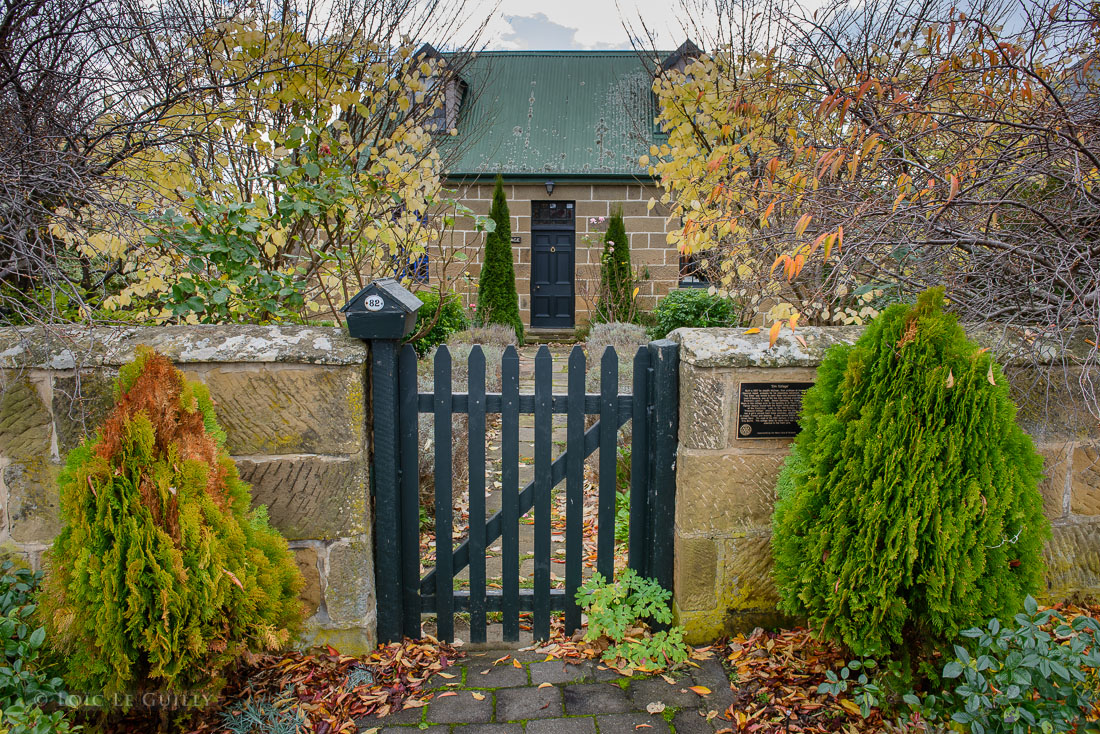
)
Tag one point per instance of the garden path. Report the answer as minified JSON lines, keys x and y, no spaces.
{"x":517,"y":692}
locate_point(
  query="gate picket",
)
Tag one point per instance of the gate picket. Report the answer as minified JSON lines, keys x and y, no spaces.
{"x":639,"y":460}
{"x":609,"y":440}
{"x":476,"y":442}
{"x":574,"y":488}
{"x":410,"y":493}
{"x":444,"y":579}
{"x":543,"y":426}
{"x":509,"y":451}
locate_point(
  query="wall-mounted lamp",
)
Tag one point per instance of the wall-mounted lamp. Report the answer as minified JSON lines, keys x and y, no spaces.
{"x":549,"y":187}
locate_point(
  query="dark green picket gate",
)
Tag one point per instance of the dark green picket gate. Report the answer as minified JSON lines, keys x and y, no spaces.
{"x":403,"y":596}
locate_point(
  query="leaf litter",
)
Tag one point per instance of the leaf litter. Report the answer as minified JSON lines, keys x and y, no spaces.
{"x":330,"y":691}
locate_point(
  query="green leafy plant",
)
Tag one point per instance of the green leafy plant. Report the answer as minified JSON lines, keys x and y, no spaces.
{"x":909,"y":508}
{"x":618,"y":615}
{"x":434,"y":323}
{"x":163,"y":574}
{"x":25,"y":682}
{"x":694,"y":308}
{"x":1039,"y":676}
{"x":228,"y":276}
{"x":857,"y":674}
{"x":497,"y":302}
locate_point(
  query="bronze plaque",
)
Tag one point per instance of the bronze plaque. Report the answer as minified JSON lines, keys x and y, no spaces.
{"x":769,"y":409}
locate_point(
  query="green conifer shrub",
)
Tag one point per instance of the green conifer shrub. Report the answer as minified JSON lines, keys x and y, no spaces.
{"x":163,"y":574}
{"x":497,"y":302}
{"x":909,"y":508}
{"x":616,"y":297}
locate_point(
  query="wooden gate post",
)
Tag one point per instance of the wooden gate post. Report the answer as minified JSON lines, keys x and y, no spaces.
{"x":382,"y":314}
{"x":663,"y":436}
{"x":385,"y":480}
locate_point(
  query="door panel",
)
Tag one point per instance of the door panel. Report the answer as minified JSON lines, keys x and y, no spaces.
{"x":552,"y":296}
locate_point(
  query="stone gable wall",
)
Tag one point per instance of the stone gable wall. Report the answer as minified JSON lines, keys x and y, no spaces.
{"x":647,"y":229}
{"x":725,"y":485}
{"x":292,"y":402}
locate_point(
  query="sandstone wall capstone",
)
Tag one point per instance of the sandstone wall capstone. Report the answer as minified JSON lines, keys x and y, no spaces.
{"x":292,"y":402}
{"x":725,"y":484}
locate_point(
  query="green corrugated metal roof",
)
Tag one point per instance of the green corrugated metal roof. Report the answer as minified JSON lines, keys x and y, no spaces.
{"x":563,"y":113}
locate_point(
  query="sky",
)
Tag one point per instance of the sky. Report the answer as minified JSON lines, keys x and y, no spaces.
{"x":578,"y":24}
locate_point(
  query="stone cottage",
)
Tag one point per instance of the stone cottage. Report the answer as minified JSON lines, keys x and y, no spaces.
{"x":566,"y":130}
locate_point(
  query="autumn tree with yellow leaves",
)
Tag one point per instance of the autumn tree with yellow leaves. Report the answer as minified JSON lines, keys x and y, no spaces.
{"x":193,"y":161}
{"x":829,"y":161}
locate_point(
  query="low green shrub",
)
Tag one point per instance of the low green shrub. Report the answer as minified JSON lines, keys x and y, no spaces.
{"x":693,"y":308}
{"x":452,"y":318}
{"x":163,"y":574}
{"x":909,"y":509}
{"x":1037,"y":676}
{"x":25,"y":682}
{"x":619,"y":613}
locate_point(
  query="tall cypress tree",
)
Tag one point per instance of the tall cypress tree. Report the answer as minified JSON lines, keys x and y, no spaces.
{"x":497,"y":302}
{"x":909,"y":508}
{"x":616,"y":275}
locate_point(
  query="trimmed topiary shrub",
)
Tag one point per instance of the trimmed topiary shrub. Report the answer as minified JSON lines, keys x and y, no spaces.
{"x":909,"y":509}
{"x":452,"y":318}
{"x":616,"y":298}
{"x":163,"y":574}
{"x":692,"y":308}
{"x":497,"y":302}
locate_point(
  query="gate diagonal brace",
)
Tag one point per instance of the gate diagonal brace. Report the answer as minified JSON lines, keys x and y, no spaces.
{"x":494,"y":526}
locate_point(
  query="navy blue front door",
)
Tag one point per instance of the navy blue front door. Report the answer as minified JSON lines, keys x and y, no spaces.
{"x":552,"y":297}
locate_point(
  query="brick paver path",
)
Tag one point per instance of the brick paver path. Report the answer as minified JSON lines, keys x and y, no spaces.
{"x":488,"y":698}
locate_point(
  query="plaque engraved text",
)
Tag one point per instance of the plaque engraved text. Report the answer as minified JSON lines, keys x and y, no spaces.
{"x":769,"y":409}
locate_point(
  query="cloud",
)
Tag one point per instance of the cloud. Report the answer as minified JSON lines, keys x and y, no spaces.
{"x":529,"y":32}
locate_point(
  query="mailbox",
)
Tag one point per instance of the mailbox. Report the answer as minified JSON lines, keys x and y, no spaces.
{"x":383,"y":310}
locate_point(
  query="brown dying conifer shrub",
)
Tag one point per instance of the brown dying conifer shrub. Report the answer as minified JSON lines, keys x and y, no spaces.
{"x":163,"y":574}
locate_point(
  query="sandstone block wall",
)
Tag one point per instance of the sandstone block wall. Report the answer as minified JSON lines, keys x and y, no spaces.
{"x":646,"y":228}
{"x":291,"y":401}
{"x":725,"y":485}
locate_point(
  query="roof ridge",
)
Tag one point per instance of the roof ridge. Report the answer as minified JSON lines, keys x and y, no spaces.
{"x":566,"y":52}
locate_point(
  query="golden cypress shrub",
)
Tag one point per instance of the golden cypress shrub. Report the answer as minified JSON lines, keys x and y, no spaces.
{"x":909,"y":509}
{"x":163,"y":574}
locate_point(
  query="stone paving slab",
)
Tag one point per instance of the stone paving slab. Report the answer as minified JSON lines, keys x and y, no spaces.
{"x":554,"y":697}
{"x":579,"y":725}
{"x":521,"y":704}
{"x":628,"y":723}
{"x":596,"y":698}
